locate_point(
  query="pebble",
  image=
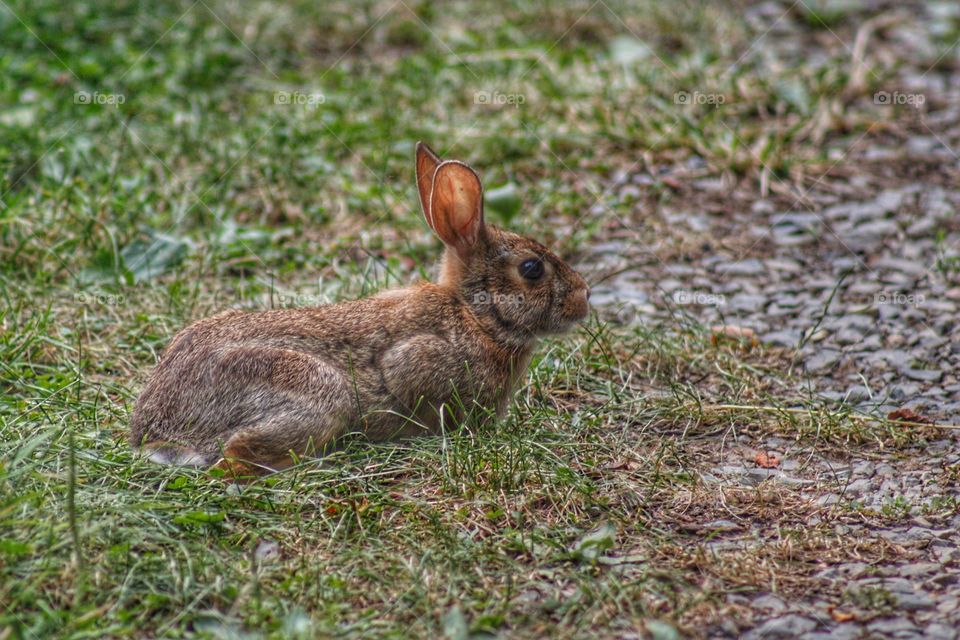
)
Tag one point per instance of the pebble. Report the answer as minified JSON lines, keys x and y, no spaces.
{"x":923,"y":375}
{"x":788,"y":626}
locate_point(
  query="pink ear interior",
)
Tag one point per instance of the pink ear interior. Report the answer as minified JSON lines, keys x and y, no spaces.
{"x":456,"y":205}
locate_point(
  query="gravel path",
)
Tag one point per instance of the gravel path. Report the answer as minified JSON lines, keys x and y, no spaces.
{"x":855,"y":286}
{"x":860,"y":274}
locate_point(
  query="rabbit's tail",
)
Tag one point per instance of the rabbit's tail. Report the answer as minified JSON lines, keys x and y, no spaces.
{"x":176,"y":454}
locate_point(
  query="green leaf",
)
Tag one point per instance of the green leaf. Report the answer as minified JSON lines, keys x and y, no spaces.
{"x":14,"y":547}
{"x":628,"y":50}
{"x":455,"y":625}
{"x":146,"y":259}
{"x":660,"y":630}
{"x":504,"y":200}
{"x":592,"y":545}
{"x":200,"y":517}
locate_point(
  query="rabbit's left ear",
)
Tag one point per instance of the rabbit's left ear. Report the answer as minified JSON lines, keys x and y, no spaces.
{"x":456,"y":206}
{"x":427,"y":163}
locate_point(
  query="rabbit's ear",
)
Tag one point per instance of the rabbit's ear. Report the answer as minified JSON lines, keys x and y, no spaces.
{"x":456,"y":206}
{"x":427,"y":163}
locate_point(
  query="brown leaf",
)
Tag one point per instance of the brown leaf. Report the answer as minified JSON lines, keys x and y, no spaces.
{"x":842,"y":616}
{"x":623,"y":465}
{"x":766,"y":461}
{"x":905,"y":414}
{"x":740,"y":334}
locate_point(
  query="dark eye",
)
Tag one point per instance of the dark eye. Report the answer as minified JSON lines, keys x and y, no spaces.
{"x":531,"y":269}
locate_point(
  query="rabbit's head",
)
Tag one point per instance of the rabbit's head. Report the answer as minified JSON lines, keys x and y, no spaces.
{"x":517,"y":288}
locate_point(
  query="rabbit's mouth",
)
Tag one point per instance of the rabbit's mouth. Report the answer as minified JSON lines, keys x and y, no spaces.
{"x":565,"y":325}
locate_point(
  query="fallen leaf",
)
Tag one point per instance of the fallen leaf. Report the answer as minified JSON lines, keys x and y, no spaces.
{"x":905,"y":414}
{"x":622,"y":465}
{"x":765,"y":461}
{"x":592,"y":545}
{"x":842,"y":616}
{"x":741,"y":334}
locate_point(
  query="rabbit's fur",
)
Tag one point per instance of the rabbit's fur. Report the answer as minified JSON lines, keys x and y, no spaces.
{"x":257,"y":390}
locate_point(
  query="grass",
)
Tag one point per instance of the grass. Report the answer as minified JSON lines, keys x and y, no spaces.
{"x":163,"y":161}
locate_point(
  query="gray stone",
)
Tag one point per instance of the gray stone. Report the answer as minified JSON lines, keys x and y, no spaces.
{"x":891,"y":625}
{"x":859,"y":487}
{"x":848,"y":336}
{"x":914,"y":601}
{"x":747,"y":302}
{"x":822,"y":361}
{"x":786,"y":338}
{"x":769,"y":602}
{"x":722,"y":525}
{"x":923,"y":375}
{"x":786,"y":627}
{"x":750,"y":267}
{"x":940,"y":631}
{"x":857,"y":394}
{"x":919,"y":569}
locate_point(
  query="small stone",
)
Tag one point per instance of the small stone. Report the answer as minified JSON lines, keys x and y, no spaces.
{"x":747,"y":302}
{"x":919,"y":569}
{"x":722,"y":525}
{"x":857,"y":394}
{"x":785,"y":627}
{"x":914,"y":601}
{"x":859,"y":487}
{"x":884,"y":470}
{"x":923,"y":375}
{"x":940,"y":631}
{"x":888,"y":626}
{"x":848,"y":336}
{"x":769,"y":602}
{"x":822,"y":361}
{"x":751,"y":267}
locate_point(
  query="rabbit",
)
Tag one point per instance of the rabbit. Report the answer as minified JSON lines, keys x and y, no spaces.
{"x":253,"y":392}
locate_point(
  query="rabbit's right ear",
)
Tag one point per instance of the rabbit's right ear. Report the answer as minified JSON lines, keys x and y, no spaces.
{"x":456,"y":206}
{"x":427,"y":163}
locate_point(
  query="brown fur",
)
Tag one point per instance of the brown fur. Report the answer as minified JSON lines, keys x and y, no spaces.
{"x":257,"y":389}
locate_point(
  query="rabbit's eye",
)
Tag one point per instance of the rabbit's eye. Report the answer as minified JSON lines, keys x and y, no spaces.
{"x":531,"y":269}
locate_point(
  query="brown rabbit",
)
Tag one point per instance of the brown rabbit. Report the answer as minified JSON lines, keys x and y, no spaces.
{"x":257,"y":390}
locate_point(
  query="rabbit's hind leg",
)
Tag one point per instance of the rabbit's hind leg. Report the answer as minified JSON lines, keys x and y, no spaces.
{"x":301,"y":404}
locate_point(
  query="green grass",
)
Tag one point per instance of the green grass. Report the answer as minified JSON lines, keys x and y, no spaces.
{"x":121,"y":223}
